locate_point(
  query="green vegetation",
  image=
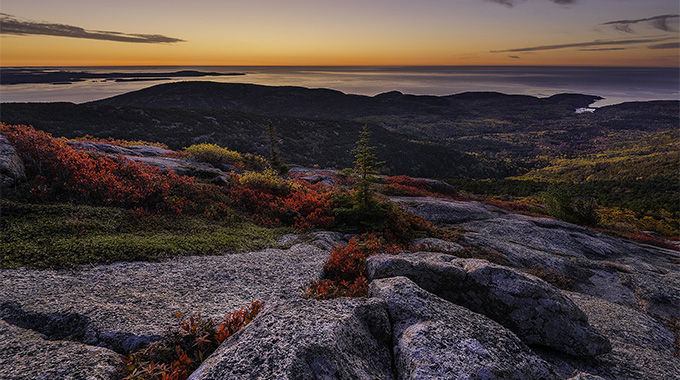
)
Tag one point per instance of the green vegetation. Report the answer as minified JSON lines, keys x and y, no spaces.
{"x":65,"y":235}
{"x":563,"y":204}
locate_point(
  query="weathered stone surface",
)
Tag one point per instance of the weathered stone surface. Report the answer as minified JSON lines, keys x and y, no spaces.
{"x":327,"y":239}
{"x":438,"y":186}
{"x":103,"y":148}
{"x":128,"y":150}
{"x":641,"y":346}
{"x":11,"y":166}
{"x":25,"y":355}
{"x":121,"y":305}
{"x":537,"y":312}
{"x":578,"y":375}
{"x":617,"y":270}
{"x":149,"y":151}
{"x":185,"y":167}
{"x":436,"y":245}
{"x":434,"y":272}
{"x":306,"y":339}
{"x":435,"y":339}
{"x":443,"y":210}
{"x":319,"y":178}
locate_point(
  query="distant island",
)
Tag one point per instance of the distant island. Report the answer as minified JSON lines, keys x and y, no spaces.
{"x":22,"y":75}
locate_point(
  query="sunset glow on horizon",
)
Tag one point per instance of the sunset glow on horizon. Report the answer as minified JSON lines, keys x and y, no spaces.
{"x":349,"y":33}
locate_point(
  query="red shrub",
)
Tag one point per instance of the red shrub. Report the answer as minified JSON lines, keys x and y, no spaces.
{"x":181,"y":352}
{"x":58,"y":172}
{"x":275,"y":202}
{"x":344,"y":271}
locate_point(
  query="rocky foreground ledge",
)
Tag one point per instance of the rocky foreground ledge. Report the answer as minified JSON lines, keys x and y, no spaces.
{"x":430,"y":315}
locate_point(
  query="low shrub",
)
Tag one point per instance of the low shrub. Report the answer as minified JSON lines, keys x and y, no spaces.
{"x":215,"y":154}
{"x":273,"y":201}
{"x":183,"y":350}
{"x":395,"y":224}
{"x":58,"y":172}
{"x":66,"y":235}
{"x":345,"y":270}
{"x":119,"y":142}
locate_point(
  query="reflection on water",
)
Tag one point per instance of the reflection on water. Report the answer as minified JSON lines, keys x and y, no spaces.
{"x":616,"y":85}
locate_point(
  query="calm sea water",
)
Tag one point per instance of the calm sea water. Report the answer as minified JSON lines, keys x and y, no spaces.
{"x":616,"y":85}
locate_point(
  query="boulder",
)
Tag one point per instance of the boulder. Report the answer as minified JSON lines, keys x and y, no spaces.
{"x":641,"y":345}
{"x":438,"y":186}
{"x":319,"y":178}
{"x":436,"y":245}
{"x":444,"y":211}
{"x":536,"y":311}
{"x":26,"y":355}
{"x":435,"y":339}
{"x":327,"y":239}
{"x":608,"y":267}
{"x":306,"y":339}
{"x":11,"y":166}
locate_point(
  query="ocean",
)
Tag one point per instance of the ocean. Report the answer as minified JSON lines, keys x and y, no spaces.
{"x":614,"y":84}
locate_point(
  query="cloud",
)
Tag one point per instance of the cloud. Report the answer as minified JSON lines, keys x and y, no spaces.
{"x":603,"y":49}
{"x":514,"y":56}
{"x":12,"y":25}
{"x":668,"y":45}
{"x":582,"y":45}
{"x":658,"y":22}
{"x":511,"y":3}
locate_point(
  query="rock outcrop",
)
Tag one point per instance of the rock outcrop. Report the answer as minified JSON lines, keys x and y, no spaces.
{"x":435,"y":339}
{"x":11,"y":166}
{"x":123,"y":305}
{"x":536,"y":311}
{"x":604,"y":266}
{"x":344,"y":339}
{"x":25,"y":354}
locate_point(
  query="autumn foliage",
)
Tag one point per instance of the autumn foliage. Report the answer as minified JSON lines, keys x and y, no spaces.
{"x":345,"y":269}
{"x":273,"y":201}
{"x":58,"y":172}
{"x":177,"y":355}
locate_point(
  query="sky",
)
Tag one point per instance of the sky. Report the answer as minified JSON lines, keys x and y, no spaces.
{"x":335,"y":33}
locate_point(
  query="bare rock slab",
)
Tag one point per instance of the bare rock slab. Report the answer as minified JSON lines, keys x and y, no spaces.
{"x":435,"y":339}
{"x":123,"y":305}
{"x":26,"y":355}
{"x":536,"y":311}
{"x":306,"y":339}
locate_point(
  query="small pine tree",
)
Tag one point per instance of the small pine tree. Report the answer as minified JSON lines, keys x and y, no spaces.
{"x":274,"y":154}
{"x":365,"y":165}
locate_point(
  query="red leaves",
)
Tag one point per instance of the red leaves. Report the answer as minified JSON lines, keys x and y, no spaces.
{"x":345,"y":268}
{"x":177,"y":355}
{"x":278,"y":202}
{"x":58,"y":172}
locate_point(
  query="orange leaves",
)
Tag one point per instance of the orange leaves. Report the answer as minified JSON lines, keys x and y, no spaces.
{"x":58,"y":172}
{"x":177,"y":355}
{"x":274,"y":202}
{"x":344,"y":271}
{"x":236,"y":320}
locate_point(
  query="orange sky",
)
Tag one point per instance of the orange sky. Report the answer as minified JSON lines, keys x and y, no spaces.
{"x":351,"y":32}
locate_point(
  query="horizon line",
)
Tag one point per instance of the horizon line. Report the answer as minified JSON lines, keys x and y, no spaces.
{"x":364,"y":65}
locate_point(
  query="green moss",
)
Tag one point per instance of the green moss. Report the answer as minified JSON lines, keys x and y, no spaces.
{"x":64,"y":235}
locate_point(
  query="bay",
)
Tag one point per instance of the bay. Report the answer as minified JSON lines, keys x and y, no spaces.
{"x":614,"y":84}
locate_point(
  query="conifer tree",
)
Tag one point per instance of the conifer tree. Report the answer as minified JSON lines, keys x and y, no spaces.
{"x":274,"y":154}
{"x":365,"y":165}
